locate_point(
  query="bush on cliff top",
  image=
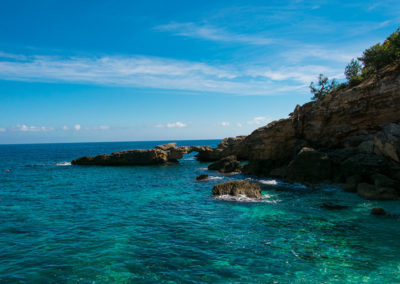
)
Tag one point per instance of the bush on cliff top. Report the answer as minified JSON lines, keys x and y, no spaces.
{"x":373,"y":60}
{"x":379,"y":55}
{"x":323,"y":87}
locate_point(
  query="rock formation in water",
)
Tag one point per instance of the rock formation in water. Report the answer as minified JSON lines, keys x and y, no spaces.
{"x":228,"y":164}
{"x":162,"y":154}
{"x":236,"y":188}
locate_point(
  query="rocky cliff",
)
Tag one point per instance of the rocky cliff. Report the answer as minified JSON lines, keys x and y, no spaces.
{"x":349,"y":136}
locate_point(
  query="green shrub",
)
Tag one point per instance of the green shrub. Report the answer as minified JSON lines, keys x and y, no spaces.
{"x":323,"y":87}
{"x":352,"y":69}
{"x":381,"y":55}
{"x":355,"y":80}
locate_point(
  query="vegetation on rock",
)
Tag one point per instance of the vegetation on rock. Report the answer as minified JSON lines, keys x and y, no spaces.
{"x":373,"y":60}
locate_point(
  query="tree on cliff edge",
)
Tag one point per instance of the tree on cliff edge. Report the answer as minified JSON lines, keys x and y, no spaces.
{"x":323,"y":87}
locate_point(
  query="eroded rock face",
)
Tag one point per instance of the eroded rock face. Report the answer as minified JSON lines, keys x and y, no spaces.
{"x":365,"y":118}
{"x":227,"y":147}
{"x":237,"y":187}
{"x":309,"y":166}
{"x":226,"y":165}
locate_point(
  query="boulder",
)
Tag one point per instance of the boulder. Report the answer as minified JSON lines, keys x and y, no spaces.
{"x":331,"y":206}
{"x":351,"y":184}
{"x":238,"y":187}
{"x":166,"y":147}
{"x":363,"y":164}
{"x":366,"y":147}
{"x":202,"y":177}
{"x":370,"y":192}
{"x":226,"y":165}
{"x":309,"y":166}
{"x":378,"y":211}
{"x":278,"y":172}
{"x":387,"y":142}
{"x":383,"y":181}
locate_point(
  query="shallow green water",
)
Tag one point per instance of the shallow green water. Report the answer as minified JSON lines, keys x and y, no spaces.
{"x":68,"y":224}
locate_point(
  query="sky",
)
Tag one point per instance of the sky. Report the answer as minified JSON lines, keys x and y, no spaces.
{"x":88,"y":71}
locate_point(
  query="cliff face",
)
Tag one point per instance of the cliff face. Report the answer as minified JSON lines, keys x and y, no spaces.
{"x":344,"y":119}
{"x":351,"y":136}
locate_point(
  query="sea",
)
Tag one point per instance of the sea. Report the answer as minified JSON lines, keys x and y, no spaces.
{"x":156,"y":224}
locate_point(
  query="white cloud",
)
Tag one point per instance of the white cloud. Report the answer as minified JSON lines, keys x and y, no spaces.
{"x":2,"y":130}
{"x":213,"y":34}
{"x":176,"y":124}
{"x":171,"y":125}
{"x":26,"y":128}
{"x":162,"y":73}
{"x":224,"y":123}
{"x":101,"y":127}
{"x":65,"y":128}
{"x":77,"y":127}
{"x":239,"y":124}
{"x":259,"y":120}
{"x":301,"y":74}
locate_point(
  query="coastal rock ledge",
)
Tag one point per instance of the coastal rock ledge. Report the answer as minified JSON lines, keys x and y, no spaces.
{"x":162,"y":154}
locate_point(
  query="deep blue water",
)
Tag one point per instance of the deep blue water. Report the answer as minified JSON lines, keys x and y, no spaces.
{"x":68,"y":224}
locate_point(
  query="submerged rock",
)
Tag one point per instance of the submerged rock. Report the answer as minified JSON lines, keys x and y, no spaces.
{"x":236,"y":188}
{"x":226,"y":165}
{"x":331,"y":206}
{"x":378,"y":211}
{"x":202,"y":177}
{"x":351,"y":184}
{"x":370,"y":192}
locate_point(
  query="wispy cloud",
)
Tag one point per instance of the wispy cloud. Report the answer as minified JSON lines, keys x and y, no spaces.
{"x":211,"y":33}
{"x":3,"y":130}
{"x":177,"y":124}
{"x":162,"y":73}
{"x":27,"y":128}
{"x":101,"y":127}
{"x":225,"y":123}
{"x":77,"y":127}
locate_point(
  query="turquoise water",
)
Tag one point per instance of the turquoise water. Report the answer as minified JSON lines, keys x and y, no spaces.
{"x":69,"y":224}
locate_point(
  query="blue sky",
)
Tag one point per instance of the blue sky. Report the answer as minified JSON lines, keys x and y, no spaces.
{"x":74,"y":71}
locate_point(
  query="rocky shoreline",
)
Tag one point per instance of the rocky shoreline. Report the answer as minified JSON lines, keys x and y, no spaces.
{"x":351,"y":137}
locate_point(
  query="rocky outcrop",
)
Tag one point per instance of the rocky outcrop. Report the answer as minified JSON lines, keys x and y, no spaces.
{"x":226,"y":165}
{"x":346,"y":137}
{"x":371,"y":192}
{"x":309,"y":166}
{"x":162,"y":154}
{"x":236,"y":188}
{"x":227,"y":147}
{"x":124,"y":158}
{"x":202,"y":177}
